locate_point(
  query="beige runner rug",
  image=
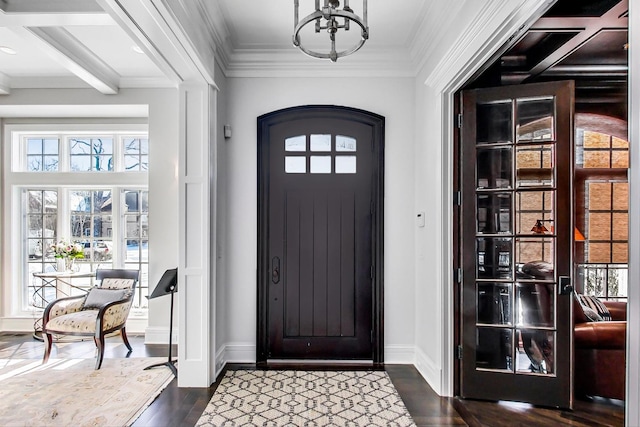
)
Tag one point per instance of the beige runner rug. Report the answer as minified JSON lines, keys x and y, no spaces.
{"x":305,"y":398}
{"x":69,"y":392}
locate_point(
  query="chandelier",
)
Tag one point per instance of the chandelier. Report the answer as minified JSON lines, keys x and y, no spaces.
{"x":329,"y":17}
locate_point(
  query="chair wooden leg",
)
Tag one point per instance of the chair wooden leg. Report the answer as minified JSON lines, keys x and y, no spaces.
{"x":48,"y":341}
{"x":123,"y":333}
{"x":100,"y":345}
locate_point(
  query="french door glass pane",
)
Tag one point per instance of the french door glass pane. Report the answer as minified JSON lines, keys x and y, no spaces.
{"x":494,"y":213}
{"x":533,"y":206}
{"x":535,"y":119}
{"x":494,"y":348}
{"x":534,"y":249}
{"x":494,"y":168}
{"x":535,"y":304}
{"x":495,"y":123}
{"x":494,"y":258}
{"x":534,"y":165}
{"x":535,"y":352}
{"x":494,"y":304}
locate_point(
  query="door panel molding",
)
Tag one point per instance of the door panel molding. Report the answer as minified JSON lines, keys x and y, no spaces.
{"x":265,"y":273}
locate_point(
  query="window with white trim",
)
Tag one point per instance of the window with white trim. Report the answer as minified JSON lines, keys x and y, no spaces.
{"x":85,"y":187}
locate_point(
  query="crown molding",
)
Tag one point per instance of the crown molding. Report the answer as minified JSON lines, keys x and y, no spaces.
{"x":219,"y":31}
{"x":431,"y":29}
{"x":290,"y":62}
{"x":293,"y":63}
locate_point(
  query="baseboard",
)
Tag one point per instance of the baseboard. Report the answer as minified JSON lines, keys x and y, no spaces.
{"x":237,"y":352}
{"x":246,"y":353}
{"x":158,"y":334}
{"x":400,"y":354}
{"x":17,"y":324}
{"x":234,"y":353}
{"x":429,"y":371}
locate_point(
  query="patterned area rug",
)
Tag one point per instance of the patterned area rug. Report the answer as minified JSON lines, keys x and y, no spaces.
{"x":305,"y":398}
{"x":70,"y":392}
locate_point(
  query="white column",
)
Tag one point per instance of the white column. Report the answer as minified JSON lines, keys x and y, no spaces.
{"x":196,"y":263}
{"x":632,"y":416}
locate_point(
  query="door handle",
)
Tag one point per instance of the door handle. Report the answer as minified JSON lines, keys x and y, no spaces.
{"x":275,"y":269}
{"x":565,"y":285}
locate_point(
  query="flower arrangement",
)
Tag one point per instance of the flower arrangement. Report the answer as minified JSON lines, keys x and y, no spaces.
{"x":64,"y":249}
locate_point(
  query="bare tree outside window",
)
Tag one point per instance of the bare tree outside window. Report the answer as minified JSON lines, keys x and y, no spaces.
{"x":136,"y":154}
{"x":91,"y":154}
{"x":42,"y":154}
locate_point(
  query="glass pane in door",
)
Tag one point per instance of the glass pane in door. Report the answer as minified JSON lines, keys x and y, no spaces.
{"x":495,"y":123}
{"x":494,"y":213}
{"x":494,"y":348}
{"x":494,"y":258}
{"x":495,"y":305}
{"x":535,"y":119}
{"x":535,"y":352}
{"x":494,"y":168}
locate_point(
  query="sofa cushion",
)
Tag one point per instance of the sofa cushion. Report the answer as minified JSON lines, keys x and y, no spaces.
{"x":98,"y":297}
{"x":594,"y":304}
{"x":591,"y":314}
{"x":601,"y":335}
{"x":82,"y":322}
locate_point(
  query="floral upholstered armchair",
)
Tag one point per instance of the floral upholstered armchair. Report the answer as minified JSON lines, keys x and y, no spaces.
{"x":103,"y":310}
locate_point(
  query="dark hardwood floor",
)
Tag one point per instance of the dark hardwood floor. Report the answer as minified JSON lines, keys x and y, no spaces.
{"x":183,"y":406}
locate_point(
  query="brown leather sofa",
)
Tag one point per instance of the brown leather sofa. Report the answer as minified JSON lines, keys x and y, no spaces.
{"x":600,"y":352}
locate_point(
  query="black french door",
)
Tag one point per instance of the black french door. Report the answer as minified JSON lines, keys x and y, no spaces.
{"x":516,"y":235}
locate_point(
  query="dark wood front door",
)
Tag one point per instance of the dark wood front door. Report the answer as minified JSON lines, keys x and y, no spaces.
{"x":320,"y":234}
{"x":516,"y":239}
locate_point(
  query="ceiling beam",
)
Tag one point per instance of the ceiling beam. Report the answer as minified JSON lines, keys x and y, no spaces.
{"x":5,"y":88}
{"x":44,"y":13}
{"x":615,"y":18}
{"x":49,"y":6}
{"x":69,"y":52}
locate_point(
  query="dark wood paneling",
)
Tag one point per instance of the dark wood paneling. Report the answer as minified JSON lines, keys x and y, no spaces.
{"x":347,"y":271}
{"x":334,"y":263}
{"x":320,"y":267}
{"x":291,"y":279}
{"x":306,"y":264}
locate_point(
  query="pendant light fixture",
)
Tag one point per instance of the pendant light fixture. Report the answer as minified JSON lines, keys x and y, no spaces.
{"x":331,"y":18}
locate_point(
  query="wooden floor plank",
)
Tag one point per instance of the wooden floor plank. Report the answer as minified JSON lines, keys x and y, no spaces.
{"x":183,"y":406}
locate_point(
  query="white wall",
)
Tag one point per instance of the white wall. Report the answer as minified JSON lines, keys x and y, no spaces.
{"x":251,"y":97}
{"x":222,"y":237}
{"x":429,"y":198}
{"x":34,"y":106}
